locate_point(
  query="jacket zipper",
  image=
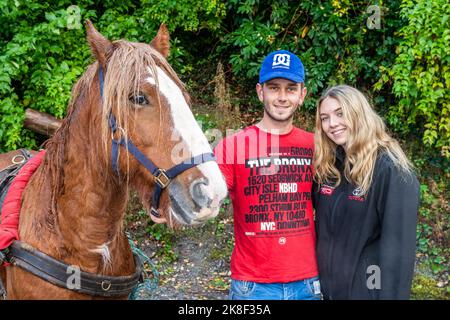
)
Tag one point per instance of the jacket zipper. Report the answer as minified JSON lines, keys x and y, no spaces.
{"x":330,"y":250}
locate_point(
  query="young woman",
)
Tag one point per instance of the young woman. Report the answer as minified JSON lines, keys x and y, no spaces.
{"x":366,"y":199}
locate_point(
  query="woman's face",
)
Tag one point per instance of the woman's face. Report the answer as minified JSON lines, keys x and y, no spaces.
{"x":333,"y":122}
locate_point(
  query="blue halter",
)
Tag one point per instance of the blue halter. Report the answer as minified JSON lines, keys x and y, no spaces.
{"x":162,"y":177}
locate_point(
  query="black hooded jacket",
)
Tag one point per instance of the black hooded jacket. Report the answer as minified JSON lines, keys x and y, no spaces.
{"x":366,"y":244}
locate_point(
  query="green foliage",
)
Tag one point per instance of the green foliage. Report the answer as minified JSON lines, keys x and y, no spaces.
{"x":43,"y":52}
{"x":205,"y":121}
{"x":219,"y":283}
{"x":425,"y":288}
{"x":223,"y":233}
{"x":186,"y":14}
{"x":421,"y":74}
{"x":331,"y":38}
{"x":165,"y":237}
{"x":43,"y":49}
{"x":39,"y":62}
{"x":431,"y":230}
{"x":403,"y":63}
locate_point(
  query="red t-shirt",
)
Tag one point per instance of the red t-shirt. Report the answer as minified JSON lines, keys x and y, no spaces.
{"x":269,"y":178}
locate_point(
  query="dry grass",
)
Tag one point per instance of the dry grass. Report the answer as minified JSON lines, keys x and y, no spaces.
{"x":227,"y":115}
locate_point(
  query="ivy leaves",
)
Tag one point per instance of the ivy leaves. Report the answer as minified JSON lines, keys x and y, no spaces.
{"x":420,"y":75}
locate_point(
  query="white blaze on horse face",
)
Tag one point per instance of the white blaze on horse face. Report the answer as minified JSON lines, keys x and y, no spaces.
{"x":189,"y":131}
{"x":151,"y":80}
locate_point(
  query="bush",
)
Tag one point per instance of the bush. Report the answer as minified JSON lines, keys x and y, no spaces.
{"x":420,"y":76}
{"x":43,"y":51}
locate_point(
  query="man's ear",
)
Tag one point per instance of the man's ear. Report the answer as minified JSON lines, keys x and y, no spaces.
{"x":259,"y":91}
{"x":161,"y":41}
{"x":100,"y":46}
{"x":304,"y":91}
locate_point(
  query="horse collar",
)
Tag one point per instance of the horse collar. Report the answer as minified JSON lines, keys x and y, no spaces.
{"x":59,"y":273}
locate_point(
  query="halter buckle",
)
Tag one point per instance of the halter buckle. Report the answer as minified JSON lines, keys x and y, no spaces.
{"x":18,"y":159}
{"x":155,"y":212}
{"x":161,"y":178}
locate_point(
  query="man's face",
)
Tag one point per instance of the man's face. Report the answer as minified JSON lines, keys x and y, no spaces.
{"x":281,"y":97}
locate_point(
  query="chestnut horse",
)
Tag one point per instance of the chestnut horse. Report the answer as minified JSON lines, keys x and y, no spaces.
{"x":74,"y":204}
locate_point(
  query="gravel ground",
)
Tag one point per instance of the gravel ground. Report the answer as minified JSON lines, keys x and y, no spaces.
{"x":195,"y":264}
{"x":194,"y":274}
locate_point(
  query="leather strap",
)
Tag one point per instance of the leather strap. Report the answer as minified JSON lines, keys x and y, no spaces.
{"x":175,"y":171}
{"x":61,"y":274}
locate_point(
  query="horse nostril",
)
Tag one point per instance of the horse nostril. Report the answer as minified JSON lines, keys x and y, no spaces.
{"x":200,"y":194}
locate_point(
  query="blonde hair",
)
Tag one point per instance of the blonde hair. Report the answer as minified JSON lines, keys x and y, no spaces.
{"x":366,"y":139}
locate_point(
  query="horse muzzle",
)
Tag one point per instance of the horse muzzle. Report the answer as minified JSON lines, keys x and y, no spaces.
{"x":196,"y":206}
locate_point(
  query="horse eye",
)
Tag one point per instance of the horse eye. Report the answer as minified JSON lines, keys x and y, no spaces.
{"x":139,"y":99}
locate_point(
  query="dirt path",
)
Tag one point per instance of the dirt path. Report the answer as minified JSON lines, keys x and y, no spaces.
{"x":194,"y":276}
{"x":193,"y":263}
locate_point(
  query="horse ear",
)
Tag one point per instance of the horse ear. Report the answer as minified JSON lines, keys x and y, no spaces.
{"x":100,"y":46}
{"x":161,"y":41}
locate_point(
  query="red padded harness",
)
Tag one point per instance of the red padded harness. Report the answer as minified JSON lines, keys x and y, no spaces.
{"x":9,"y":223}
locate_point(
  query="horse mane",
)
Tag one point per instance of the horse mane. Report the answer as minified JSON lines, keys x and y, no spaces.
{"x":126,"y":66}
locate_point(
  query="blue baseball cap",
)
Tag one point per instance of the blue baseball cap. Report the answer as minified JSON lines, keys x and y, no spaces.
{"x":282,"y":64}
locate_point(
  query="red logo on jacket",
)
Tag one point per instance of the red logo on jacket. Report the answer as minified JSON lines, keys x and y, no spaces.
{"x":326,"y":190}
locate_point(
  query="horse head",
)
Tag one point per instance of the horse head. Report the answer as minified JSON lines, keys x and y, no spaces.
{"x":146,"y":107}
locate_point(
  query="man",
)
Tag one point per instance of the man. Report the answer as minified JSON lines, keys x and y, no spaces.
{"x":268,"y":170}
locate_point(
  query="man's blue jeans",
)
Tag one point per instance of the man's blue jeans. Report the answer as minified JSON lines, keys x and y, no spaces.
{"x":307,"y":289}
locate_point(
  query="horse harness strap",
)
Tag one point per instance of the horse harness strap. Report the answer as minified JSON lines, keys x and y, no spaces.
{"x":68,"y":277}
{"x":162,"y":177}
